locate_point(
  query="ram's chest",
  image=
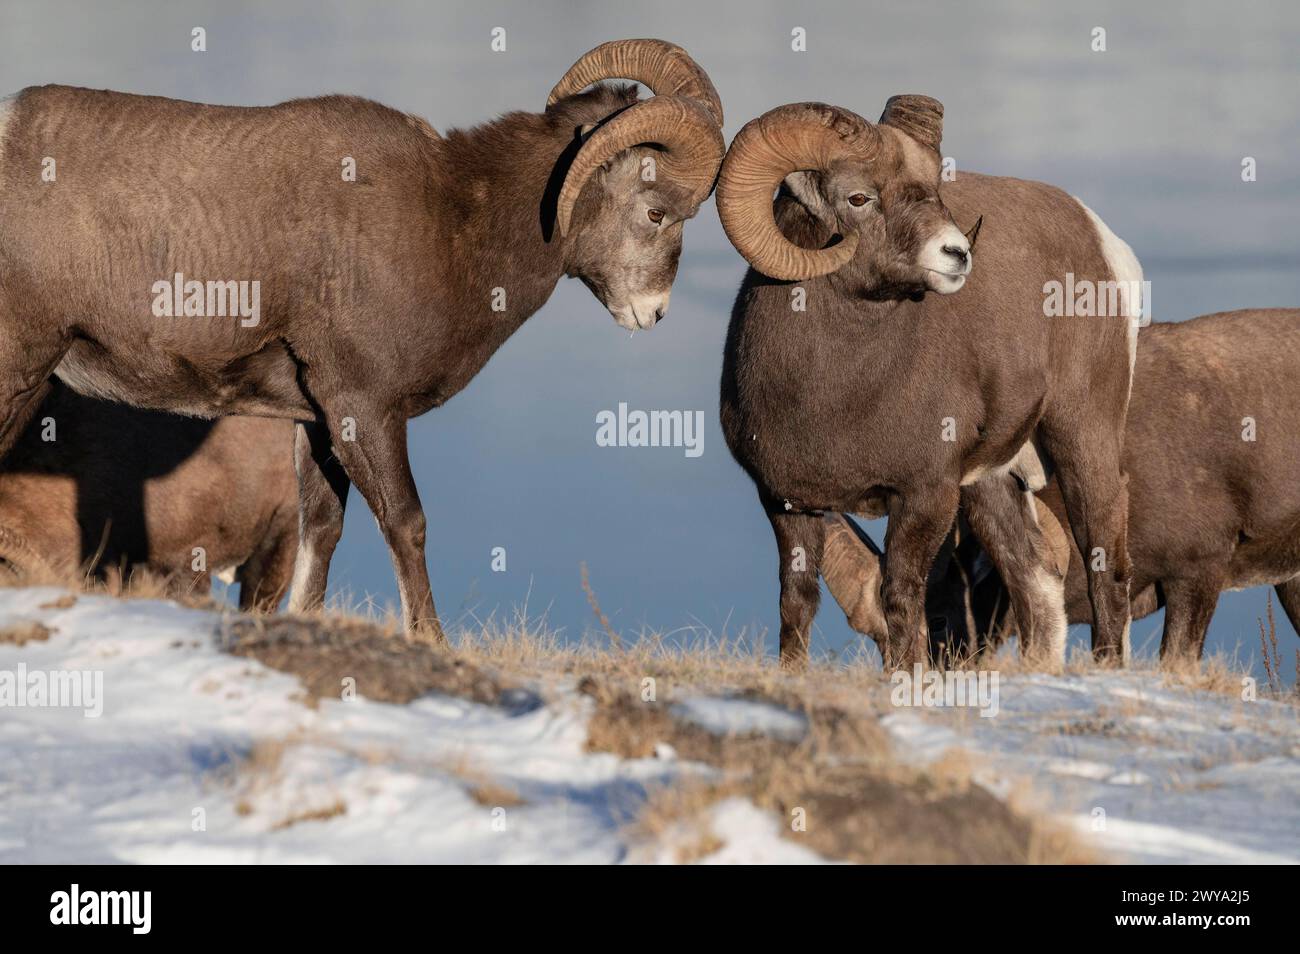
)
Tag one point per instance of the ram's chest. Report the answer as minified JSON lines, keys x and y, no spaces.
{"x":826,"y":445}
{"x":817,"y":449}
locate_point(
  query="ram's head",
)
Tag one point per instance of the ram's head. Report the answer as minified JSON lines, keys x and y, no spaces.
{"x":869,"y":194}
{"x":638,"y":175}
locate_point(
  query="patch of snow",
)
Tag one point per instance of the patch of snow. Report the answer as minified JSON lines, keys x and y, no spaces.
{"x":1094,"y":770}
{"x":923,"y":740}
{"x":1153,"y":773}
{"x":203,"y":757}
{"x":744,"y":833}
{"x":731,"y":716}
{"x":751,"y":836}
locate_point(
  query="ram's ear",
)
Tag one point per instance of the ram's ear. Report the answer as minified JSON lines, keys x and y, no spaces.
{"x":622,"y":167}
{"x":807,"y":188}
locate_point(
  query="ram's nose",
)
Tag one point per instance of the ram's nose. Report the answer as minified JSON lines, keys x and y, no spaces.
{"x":946,"y":257}
{"x":642,"y":311}
{"x":960,"y":254}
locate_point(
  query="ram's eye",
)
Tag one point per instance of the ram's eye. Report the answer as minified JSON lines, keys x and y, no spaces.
{"x":655,"y":215}
{"x":858,"y":199}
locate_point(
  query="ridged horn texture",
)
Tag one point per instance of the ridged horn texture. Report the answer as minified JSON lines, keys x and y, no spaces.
{"x":852,"y":574}
{"x":684,"y":118}
{"x":794,"y":138}
{"x":685,"y":129}
{"x":664,"y":67}
{"x":921,"y":117}
{"x":1058,"y":544}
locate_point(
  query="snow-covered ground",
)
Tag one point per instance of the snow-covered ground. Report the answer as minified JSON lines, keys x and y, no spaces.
{"x":1145,"y":773}
{"x":200,"y":756}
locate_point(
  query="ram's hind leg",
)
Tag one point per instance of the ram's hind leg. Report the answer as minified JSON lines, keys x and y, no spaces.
{"x":264,"y":577}
{"x":1005,"y":522}
{"x":322,"y":494}
{"x":1189,"y":607}
{"x":1096,"y":500}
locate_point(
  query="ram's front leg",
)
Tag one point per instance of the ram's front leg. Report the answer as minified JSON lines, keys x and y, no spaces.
{"x":799,"y":538}
{"x":919,"y":520}
{"x":365,"y":431}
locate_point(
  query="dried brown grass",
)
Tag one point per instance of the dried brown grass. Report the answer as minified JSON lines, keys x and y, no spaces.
{"x":853,"y":799}
{"x":25,"y":631}
{"x":860,"y":802}
{"x":486,"y":790}
{"x":258,"y":772}
{"x":332,"y":654}
{"x":138,"y":584}
{"x":1272,"y":656}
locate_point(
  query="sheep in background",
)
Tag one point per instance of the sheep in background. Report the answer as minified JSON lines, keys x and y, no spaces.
{"x":97,"y":487}
{"x":1214,"y":495}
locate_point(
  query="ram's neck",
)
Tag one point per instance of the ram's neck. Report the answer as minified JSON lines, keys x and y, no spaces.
{"x":499,"y":209}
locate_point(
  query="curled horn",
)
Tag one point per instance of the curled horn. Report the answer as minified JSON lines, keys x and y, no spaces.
{"x":794,"y":138}
{"x":664,"y":67}
{"x":921,"y":117}
{"x":692,"y":145}
{"x":684,"y":118}
{"x":851,"y":567}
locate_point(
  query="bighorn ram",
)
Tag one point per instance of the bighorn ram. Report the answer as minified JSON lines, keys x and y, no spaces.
{"x":1214,"y":498}
{"x":378,"y":264}
{"x":895,"y":378}
{"x":97,"y":486}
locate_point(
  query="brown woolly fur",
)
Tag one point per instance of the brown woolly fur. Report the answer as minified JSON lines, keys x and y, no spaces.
{"x":1212,"y":496}
{"x":117,"y":490}
{"x":900,"y":388}
{"x":378,"y":264}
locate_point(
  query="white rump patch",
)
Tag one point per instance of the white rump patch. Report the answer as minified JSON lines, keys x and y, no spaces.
{"x":1027,"y":465}
{"x":1127,"y":271}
